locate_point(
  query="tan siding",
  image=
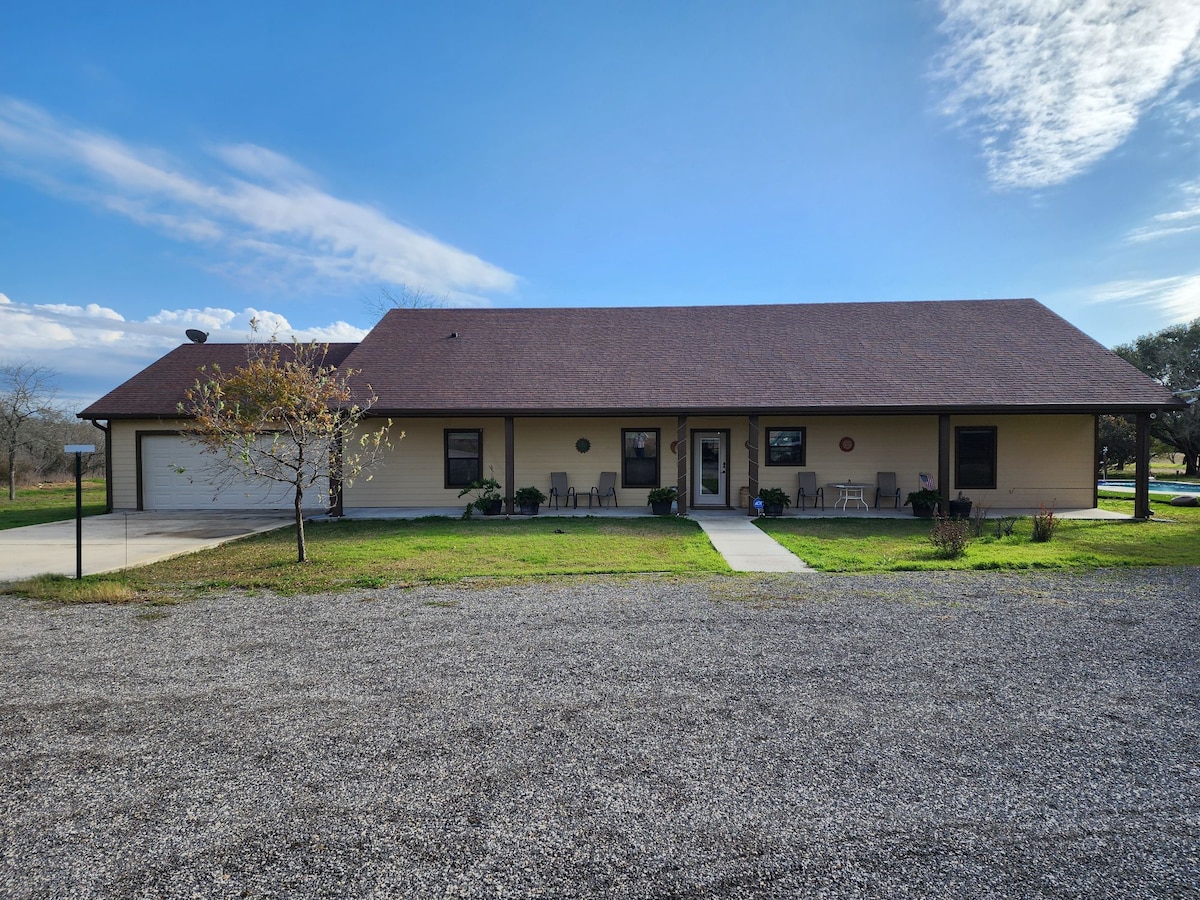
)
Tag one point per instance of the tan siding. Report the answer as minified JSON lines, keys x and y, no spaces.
{"x":413,"y":471}
{"x":1039,"y":460}
{"x":906,"y":445}
{"x":123,"y":435}
{"x":548,"y":445}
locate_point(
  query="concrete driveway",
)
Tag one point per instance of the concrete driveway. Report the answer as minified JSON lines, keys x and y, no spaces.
{"x":118,"y":540}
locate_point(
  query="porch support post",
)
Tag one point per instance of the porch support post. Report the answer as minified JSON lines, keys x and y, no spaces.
{"x":1097,"y":460}
{"x":681,"y":463}
{"x":510,"y":465}
{"x":1141,"y":478}
{"x":752,"y":449}
{"x":944,"y":462}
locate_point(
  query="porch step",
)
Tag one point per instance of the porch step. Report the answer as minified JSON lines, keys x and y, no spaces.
{"x":745,"y":547}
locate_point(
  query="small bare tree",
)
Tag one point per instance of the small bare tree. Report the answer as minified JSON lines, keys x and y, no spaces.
{"x":404,"y":297}
{"x":26,"y":392}
{"x":286,"y":416}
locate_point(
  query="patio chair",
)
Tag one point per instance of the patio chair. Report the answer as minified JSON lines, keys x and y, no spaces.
{"x":885,"y":487}
{"x":605,"y":491}
{"x":560,"y":490}
{"x":807,"y":487}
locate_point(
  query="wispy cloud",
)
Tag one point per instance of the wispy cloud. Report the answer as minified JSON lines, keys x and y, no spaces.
{"x":1054,"y":85}
{"x":265,"y":211}
{"x":1178,"y":221}
{"x":1178,"y":297}
{"x":94,"y":348}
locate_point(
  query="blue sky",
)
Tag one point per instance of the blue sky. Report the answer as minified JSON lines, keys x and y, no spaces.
{"x":166,"y":166}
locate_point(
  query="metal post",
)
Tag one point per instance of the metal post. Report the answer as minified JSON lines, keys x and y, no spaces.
{"x":78,"y":515}
{"x":79,"y":450}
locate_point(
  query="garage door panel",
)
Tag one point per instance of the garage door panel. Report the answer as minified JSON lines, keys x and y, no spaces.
{"x":177,"y":474}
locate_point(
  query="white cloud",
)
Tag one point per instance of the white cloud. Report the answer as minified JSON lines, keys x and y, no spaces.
{"x":1178,"y":221}
{"x":94,"y":348}
{"x":1177,"y":297}
{"x":1054,"y":85}
{"x":264,"y":210}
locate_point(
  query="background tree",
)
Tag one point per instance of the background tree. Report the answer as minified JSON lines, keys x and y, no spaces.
{"x":1118,"y":438}
{"x":404,"y":297}
{"x":288,"y":417}
{"x":1172,"y":357}
{"x":26,"y":391}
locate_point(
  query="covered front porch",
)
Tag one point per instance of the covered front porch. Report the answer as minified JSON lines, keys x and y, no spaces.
{"x":1009,"y":463}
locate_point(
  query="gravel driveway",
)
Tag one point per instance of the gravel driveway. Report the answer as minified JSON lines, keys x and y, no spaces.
{"x":912,"y":735}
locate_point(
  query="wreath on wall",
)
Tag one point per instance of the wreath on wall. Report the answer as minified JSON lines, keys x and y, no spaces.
{"x":846,"y":444}
{"x":583,"y":445}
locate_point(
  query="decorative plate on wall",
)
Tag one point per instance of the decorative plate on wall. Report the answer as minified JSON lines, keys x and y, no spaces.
{"x":846,"y":444}
{"x":583,"y":445}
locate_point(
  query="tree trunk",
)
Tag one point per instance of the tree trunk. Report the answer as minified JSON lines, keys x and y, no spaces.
{"x":12,"y":474}
{"x":301,"y":550}
{"x":1191,"y":465}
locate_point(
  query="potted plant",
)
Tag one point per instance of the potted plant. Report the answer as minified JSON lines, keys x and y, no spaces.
{"x":960,"y":508}
{"x":528,"y":500}
{"x":774,"y":500}
{"x":923,"y":502}
{"x":660,"y":500}
{"x":486,"y":492}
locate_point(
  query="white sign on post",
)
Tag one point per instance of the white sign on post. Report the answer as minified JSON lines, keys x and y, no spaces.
{"x":79,"y":448}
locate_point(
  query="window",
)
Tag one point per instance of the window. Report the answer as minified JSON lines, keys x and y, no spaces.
{"x":464,"y":457}
{"x":974,"y":457}
{"x":785,"y":446}
{"x":639,"y":457}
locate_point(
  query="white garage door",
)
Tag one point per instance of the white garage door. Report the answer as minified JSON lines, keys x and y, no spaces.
{"x":198,"y":486}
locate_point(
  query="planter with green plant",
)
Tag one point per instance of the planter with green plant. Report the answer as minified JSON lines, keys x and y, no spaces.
{"x":487,"y":497}
{"x":923,"y":502}
{"x":528,"y":500}
{"x":660,"y":500}
{"x":774,"y":500}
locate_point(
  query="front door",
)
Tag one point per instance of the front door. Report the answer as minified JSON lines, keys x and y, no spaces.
{"x":710,"y":451}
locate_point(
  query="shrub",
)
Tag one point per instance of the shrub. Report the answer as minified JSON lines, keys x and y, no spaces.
{"x":1044,"y":524}
{"x":949,"y":536}
{"x":979,"y":520}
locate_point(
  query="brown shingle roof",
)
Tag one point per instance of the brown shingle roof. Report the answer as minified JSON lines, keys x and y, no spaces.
{"x":158,"y":389}
{"x":813,"y":357}
{"x":819,"y":357}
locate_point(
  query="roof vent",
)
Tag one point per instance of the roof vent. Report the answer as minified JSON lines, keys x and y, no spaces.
{"x":454,"y":334}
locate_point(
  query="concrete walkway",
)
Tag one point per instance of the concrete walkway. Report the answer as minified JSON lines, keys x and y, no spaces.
{"x":746,"y":547}
{"x":116,"y":541}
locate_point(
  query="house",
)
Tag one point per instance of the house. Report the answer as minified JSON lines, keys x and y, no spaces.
{"x":998,"y":398}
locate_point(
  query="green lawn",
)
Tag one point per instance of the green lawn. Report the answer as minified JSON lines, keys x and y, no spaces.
{"x":374,"y":554}
{"x":49,"y":503}
{"x":884,"y":545}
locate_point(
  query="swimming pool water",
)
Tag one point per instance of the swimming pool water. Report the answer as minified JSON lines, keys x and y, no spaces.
{"x":1157,"y":487}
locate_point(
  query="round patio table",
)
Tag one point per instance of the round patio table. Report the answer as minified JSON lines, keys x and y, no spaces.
{"x":851,"y":491}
